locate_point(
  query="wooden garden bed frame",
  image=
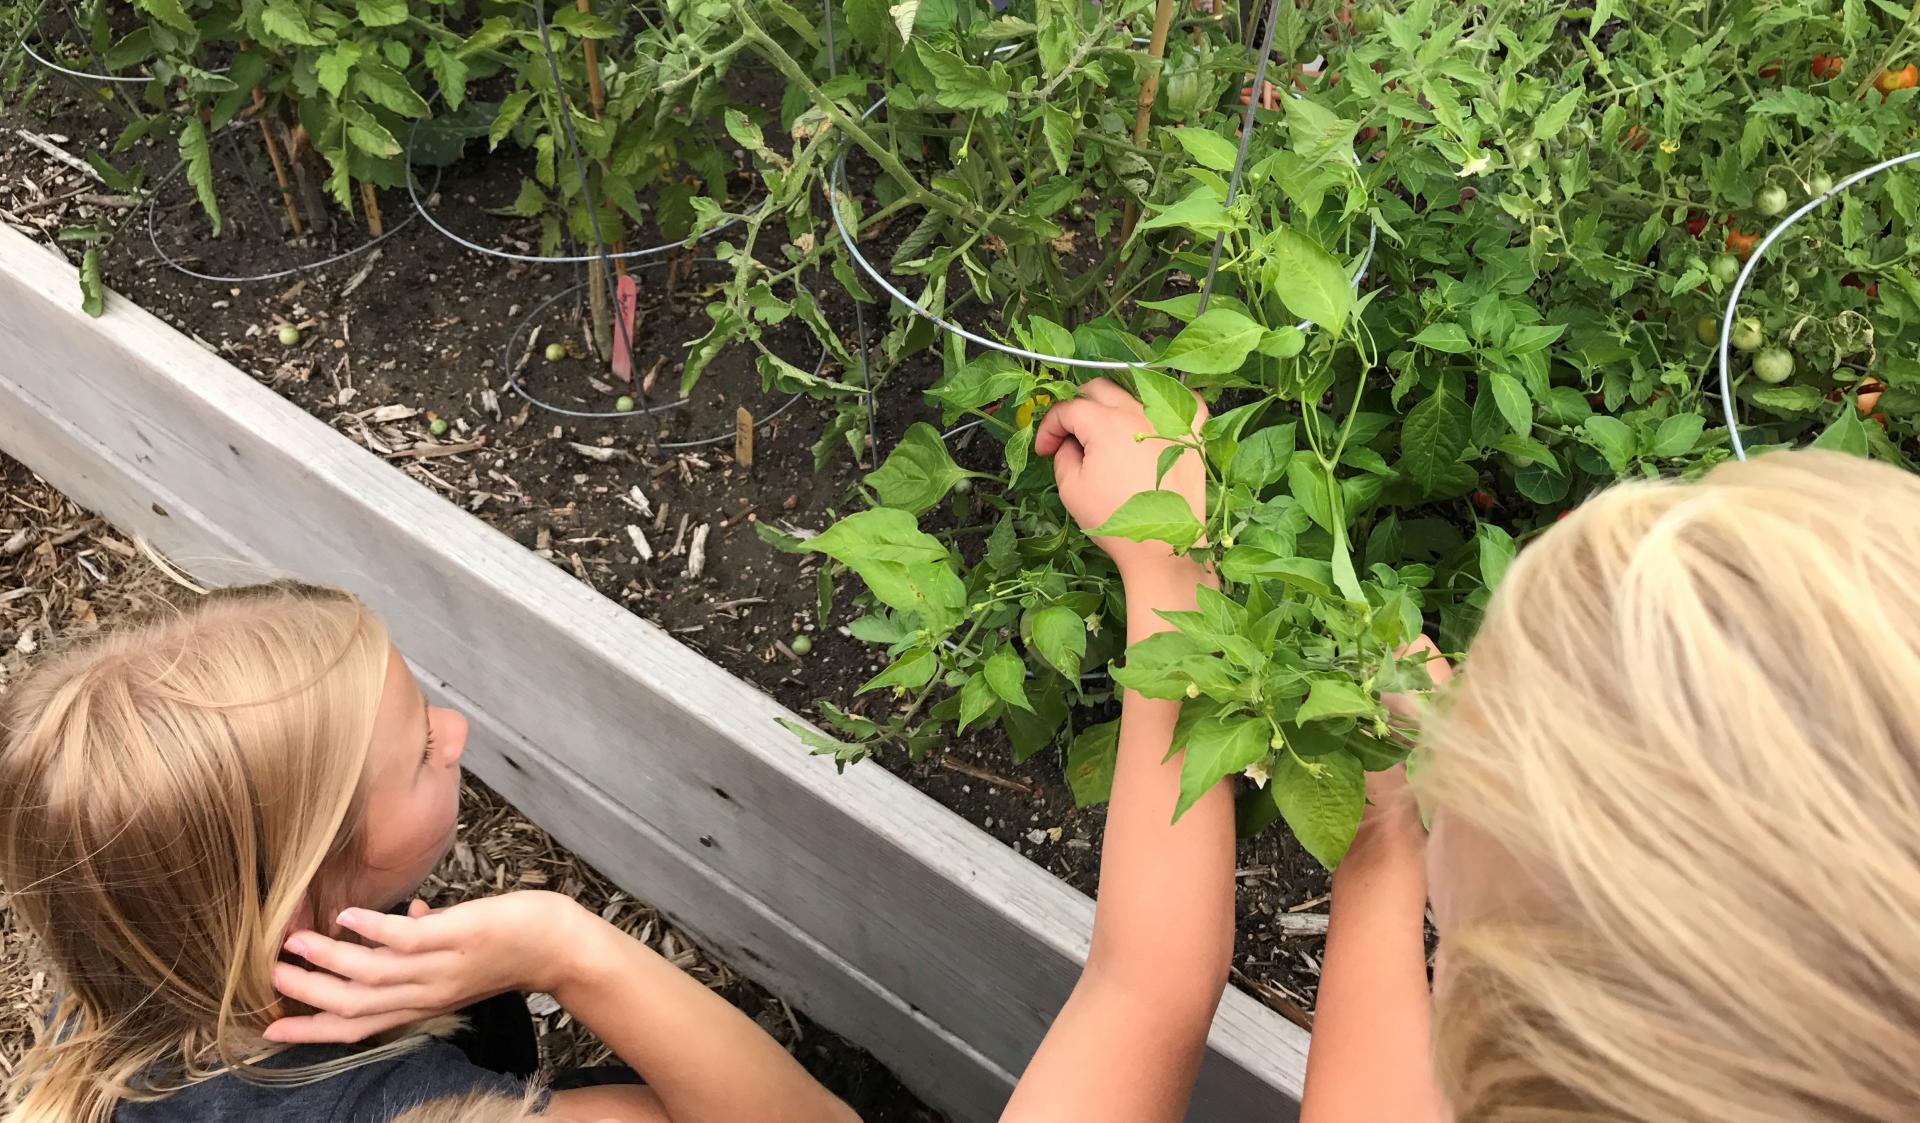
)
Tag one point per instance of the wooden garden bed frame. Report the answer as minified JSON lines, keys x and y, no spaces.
{"x":883,"y":915}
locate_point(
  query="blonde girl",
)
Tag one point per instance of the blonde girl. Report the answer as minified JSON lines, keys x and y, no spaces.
{"x":205,"y":815}
{"x":1675,"y":859}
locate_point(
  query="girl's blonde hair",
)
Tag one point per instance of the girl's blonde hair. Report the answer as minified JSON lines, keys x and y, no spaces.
{"x":171,"y":793}
{"x":1690,"y":723}
{"x":477,"y":1107}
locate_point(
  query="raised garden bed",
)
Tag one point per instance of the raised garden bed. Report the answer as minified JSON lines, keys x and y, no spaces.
{"x":883,"y":915}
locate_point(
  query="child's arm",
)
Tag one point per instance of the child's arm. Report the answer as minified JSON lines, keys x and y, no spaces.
{"x":1370,"y":1055}
{"x":1128,"y":1043}
{"x":703,"y":1060}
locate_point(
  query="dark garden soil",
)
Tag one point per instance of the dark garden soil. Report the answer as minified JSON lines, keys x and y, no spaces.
{"x":419,"y":330}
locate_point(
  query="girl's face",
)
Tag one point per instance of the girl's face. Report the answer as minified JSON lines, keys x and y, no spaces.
{"x":413,"y":789}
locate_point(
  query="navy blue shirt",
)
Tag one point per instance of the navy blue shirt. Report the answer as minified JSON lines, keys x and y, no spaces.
{"x":376,"y":1092}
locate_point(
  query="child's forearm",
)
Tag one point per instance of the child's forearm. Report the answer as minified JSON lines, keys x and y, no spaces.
{"x":1370,"y":1052}
{"x":707,"y":1061}
{"x":1128,"y":1043}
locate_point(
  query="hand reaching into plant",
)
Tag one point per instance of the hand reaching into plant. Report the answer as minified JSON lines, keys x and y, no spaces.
{"x":1100,"y":461}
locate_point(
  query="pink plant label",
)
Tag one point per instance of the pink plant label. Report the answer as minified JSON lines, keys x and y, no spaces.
{"x":625,"y":295}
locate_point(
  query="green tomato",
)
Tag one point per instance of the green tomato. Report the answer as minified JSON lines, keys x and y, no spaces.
{"x":1562,"y":162}
{"x":1707,"y":330}
{"x":1526,"y":153}
{"x":1724,"y":267}
{"x":437,"y":426}
{"x":963,"y":485}
{"x":1775,"y":364}
{"x":801,"y":645}
{"x":289,"y":335}
{"x":556,"y":352}
{"x":1746,"y":335}
{"x":623,"y":404}
{"x":1366,"y":19}
{"x":1819,"y":184}
{"x":1770,"y":201}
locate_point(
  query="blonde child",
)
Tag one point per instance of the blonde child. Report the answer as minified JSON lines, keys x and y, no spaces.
{"x":1675,"y":859}
{"x":178,"y":795}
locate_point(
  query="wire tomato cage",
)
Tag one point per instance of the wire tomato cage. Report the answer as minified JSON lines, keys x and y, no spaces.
{"x":1746,"y":271}
{"x":838,"y":191}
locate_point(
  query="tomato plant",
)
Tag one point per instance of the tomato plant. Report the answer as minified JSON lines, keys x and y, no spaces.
{"x":1527,"y":330}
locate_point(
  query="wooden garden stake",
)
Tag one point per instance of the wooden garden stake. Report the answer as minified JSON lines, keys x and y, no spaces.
{"x":743,"y":437}
{"x":373,"y":208}
{"x":595,"y":92}
{"x":597,"y":303}
{"x":279,"y":168}
{"x":1143,"y":115}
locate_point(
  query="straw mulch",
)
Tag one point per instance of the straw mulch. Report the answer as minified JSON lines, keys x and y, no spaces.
{"x":62,"y":569}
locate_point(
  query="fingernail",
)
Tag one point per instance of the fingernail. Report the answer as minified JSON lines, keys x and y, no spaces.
{"x":296,"y":946}
{"x":348,"y":918}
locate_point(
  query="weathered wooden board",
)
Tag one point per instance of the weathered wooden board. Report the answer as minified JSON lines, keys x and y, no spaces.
{"x":883,"y":915}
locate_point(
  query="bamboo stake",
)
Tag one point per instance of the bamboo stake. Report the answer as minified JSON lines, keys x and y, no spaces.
{"x":374,"y":224}
{"x":279,"y":168}
{"x":1143,"y":115}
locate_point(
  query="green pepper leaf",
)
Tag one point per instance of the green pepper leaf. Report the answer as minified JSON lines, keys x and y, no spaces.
{"x":1153,"y":515}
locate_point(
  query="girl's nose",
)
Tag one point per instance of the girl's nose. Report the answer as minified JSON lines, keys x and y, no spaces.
{"x":450,"y":727}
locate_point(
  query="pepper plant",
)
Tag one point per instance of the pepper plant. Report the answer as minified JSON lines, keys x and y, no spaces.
{"x":1563,"y":196}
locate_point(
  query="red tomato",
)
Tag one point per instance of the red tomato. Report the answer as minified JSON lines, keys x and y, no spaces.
{"x":1740,"y":243}
{"x":1852,"y":282}
{"x":1696,"y":223}
{"x":1635,"y":137}
{"x":1562,"y":515}
{"x":1888,"y":81}
{"x":1482,"y":501}
{"x":1827,"y":66}
{"x":1771,"y":70}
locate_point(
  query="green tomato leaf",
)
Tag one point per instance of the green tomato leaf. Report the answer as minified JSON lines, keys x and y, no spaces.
{"x":1058,"y":128}
{"x":1613,"y":437}
{"x":333,"y":67}
{"x":382,"y":13}
{"x":1677,"y":435}
{"x":1216,"y":343}
{"x":1153,"y":515}
{"x":1307,"y":279}
{"x":1322,"y":800}
{"x":918,"y":473}
{"x":1060,"y":636}
{"x":388,"y":88}
{"x":510,"y":113}
{"x":1433,"y":436}
{"x":1090,"y":762}
{"x":1513,"y":401}
{"x":1208,"y":148}
{"x":1847,"y":434}
{"x":170,"y":13}
{"x":1451,"y":338}
{"x":976,"y":699}
{"x":1006,"y":675}
{"x":1217,"y":748}
{"x":1334,"y":696}
{"x":282,"y":20}
{"x":907,"y":570}
{"x":962,"y":85}
{"x":1170,"y":407}
{"x":199,"y":163}
{"x":1199,"y":212}
{"x":1496,"y":553}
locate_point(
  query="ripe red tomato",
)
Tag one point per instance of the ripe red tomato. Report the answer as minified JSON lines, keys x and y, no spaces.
{"x":1852,"y":282}
{"x":1741,"y":243}
{"x":1635,"y":137}
{"x":1482,"y":501}
{"x":1827,"y":66}
{"x":1888,"y":81}
{"x":1696,"y":223}
{"x":1771,"y":70}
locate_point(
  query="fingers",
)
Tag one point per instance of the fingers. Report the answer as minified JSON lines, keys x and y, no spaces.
{"x":417,"y":909}
{"x":345,"y":997}
{"x":1105,"y":391}
{"x":401,"y":933}
{"x":325,"y":1028}
{"x":373,"y":966}
{"x":1064,"y":422}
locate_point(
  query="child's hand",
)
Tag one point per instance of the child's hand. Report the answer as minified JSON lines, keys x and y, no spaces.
{"x":1099,"y":465}
{"x":424,"y":964}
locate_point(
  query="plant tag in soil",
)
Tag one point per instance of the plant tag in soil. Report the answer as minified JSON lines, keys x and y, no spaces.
{"x":743,"y":437}
{"x":625,"y":295}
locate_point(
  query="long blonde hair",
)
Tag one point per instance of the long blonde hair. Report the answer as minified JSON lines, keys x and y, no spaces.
{"x":477,"y":1107}
{"x":171,"y":792}
{"x":1689,"y":727}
